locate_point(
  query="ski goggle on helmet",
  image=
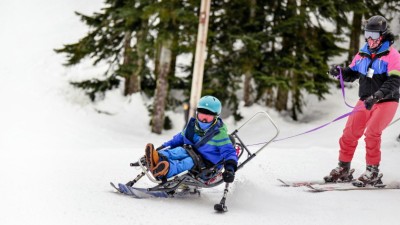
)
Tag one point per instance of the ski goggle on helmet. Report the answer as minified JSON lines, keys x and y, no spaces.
{"x":371,"y":34}
{"x":374,"y":27}
{"x":208,"y":109}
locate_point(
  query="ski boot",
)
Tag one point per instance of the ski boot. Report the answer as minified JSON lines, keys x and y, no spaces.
{"x":371,"y":176}
{"x":342,"y":173}
{"x":152,"y":157}
{"x":161,"y":169}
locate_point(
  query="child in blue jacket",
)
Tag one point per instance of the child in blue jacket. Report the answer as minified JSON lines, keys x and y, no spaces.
{"x":206,"y":134}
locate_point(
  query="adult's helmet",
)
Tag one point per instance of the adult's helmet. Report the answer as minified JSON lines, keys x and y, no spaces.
{"x":376,"y":24}
{"x":211,"y":104}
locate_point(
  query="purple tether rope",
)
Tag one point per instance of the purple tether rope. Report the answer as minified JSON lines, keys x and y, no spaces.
{"x":342,"y":86}
{"x":324,"y":125}
{"x":355,"y":109}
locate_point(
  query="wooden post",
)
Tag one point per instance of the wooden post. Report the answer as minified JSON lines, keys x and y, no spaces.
{"x":200,"y":56}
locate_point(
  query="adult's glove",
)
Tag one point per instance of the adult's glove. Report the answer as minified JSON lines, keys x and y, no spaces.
{"x":229,"y":174}
{"x":371,"y":100}
{"x":334,"y":71}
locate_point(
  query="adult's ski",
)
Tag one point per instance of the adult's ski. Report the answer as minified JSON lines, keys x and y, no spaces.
{"x":350,"y":187}
{"x":298,"y":183}
{"x":307,"y":183}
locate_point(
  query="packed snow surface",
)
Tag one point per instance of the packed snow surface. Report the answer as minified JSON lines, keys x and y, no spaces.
{"x":58,"y":153}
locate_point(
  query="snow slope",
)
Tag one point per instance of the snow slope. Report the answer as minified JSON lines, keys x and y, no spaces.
{"x":58,"y":154}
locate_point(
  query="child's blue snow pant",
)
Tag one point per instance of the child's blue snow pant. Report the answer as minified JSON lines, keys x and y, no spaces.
{"x":179,"y":160}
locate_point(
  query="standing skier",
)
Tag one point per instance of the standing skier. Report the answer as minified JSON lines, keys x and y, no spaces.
{"x":204,"y":142}
{"x":377,"y":66}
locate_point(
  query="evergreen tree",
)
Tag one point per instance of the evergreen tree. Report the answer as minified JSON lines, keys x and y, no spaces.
{"x":296,"y":56}
{"x":274,"y":51}
{"x":220,"y":77}
{"x":128,"y":34}
{"x":174,"y":17}
{"x":236,"y":33}
{"x":118,"y":36}
{"x":164,"y":58}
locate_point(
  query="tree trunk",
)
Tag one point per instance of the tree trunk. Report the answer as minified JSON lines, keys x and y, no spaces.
{"x":295,"y":94}
{"x":269,"y":97}
{"x":281,"y":99}
{"x":160,"y":96}
{"x":355,"y":36}
{"x":248,"y":76}
{"x":288,"y":48}
{"x":132,"y":81}
{"x":247,"y":88}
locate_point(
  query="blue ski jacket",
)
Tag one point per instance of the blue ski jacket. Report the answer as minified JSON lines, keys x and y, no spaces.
{"x":218,"y":145}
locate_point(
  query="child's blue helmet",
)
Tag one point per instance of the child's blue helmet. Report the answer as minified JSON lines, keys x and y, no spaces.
{"x":211,"y":104}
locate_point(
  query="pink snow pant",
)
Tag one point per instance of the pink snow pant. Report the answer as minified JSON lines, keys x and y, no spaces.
{"x":373,"y":122}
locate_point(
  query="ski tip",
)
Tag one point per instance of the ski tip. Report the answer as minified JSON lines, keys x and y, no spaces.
{"x":283,"y":183}
{"x":115,"y":187}
{"x":313,"y":189}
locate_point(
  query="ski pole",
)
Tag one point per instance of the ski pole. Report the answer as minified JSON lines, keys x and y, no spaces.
{"x":221,"y":207}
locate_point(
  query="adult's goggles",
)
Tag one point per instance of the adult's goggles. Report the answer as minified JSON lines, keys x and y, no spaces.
{"x":371,"y":34}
